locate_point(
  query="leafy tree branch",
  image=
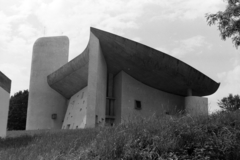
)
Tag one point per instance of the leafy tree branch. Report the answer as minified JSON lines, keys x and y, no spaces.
{"x":228,"y":21}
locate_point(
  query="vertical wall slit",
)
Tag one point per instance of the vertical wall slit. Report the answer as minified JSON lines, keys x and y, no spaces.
{"x":110,"y":100}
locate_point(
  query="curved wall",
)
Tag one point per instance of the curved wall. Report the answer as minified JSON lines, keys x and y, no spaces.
{"x":4,"y":107}
{"x":196,"y":106}
{"x":153,"y":101}
{"x":49,"y":54}
{"x":5,"y":87}
{"x":97,"y":84}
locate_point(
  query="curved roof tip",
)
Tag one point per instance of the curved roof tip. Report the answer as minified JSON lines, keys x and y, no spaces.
{"x":147,"y":65}
{"x":173,"y":70}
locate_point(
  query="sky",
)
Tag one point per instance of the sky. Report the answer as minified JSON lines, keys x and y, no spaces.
{"x":176,"y":27}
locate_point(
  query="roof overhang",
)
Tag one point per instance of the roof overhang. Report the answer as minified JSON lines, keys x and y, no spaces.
{"x":5,"y":82}
{"x":147,"y":65}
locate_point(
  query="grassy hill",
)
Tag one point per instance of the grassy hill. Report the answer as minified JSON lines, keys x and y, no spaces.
{"x":214,"y":137}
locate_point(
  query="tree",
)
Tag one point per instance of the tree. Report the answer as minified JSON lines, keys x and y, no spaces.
{"x":230,"y":103}
{"x":228,"y":21}
{"x":18,"y":111}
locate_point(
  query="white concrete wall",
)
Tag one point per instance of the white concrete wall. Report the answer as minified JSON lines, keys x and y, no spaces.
{"x":75,"y":116}
{"x":153,"y":101}
{"x":97,"y":84}
{"x":4,"y":107}
{"x":49,"y":54}
{"x":196,"y":105}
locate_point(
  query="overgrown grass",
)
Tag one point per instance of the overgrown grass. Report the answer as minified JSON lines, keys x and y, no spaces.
{"x":62,"y":144}
{"x":214,"y":137}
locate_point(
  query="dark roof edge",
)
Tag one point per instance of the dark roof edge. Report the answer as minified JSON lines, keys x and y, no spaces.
{"x":5,"y":82}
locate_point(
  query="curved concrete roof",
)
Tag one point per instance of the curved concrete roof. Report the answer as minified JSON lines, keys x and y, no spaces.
{"x":149,"y":66}
{"x":5,"y":82}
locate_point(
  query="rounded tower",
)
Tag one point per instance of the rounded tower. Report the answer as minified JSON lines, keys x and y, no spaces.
{"x":46,"y":107}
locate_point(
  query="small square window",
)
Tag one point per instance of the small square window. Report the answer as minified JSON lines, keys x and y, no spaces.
{"x":54,"y":116}
{"x":138,"y":105}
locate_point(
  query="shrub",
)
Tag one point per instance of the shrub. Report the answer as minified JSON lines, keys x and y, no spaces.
{"x":214,"y":137}
{"x":204,"y":137}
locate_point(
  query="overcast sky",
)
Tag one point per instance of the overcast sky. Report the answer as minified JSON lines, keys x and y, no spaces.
{"x":176,"y":27}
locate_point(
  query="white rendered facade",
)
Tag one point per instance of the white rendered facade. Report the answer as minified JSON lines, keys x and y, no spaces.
{"x":5,"y":85}
{"x":112,"y":80}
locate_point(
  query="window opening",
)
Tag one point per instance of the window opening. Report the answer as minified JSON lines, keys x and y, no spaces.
{"x":138,"y":105}
{"x":54,"y":116}
{"x":82,"y":95}
{"x":96,"y":119}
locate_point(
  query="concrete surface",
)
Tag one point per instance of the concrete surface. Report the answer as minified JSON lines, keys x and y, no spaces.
{"x":97,"y":84}
{"x":5,"y":82}
{"x":75,"y":116}
{"x":149,"y":66}
{"x":196,"y":105}
{"x":49,"y":54}
{"x":91,"y":70}
{"x":4,"y":107}
{"x":71,"y":77}
{"x":5,"y":86}
{"x":153,"y":101}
